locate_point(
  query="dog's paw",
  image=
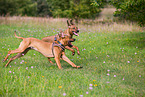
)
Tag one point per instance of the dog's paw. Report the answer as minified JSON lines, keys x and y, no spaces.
{"x":78,"y":67}
{"x":3,"y":60}
{"x":73,"y":53}
{"x":78,"y":53}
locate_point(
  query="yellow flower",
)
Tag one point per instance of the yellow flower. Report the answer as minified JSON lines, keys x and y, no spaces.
{"x":94,"y":80}
{"x":137,"y":61}
{"x":42,"y":76}
{"x":25,"y":62}
{"x":95,"y":85}
{"x":59,"y":86}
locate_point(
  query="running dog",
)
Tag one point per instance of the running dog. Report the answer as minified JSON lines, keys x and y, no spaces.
{"x":72,"y":30}
{"x":48,"y":49}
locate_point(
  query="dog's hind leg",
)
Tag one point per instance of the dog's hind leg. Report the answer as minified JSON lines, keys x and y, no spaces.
{"x":17,"y":56}
{"x":50,"y":61}
{"x":23,"y":45}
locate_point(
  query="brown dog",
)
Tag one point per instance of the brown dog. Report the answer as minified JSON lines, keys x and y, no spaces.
{"x":48,"y":49}
{"x":72,"y":30}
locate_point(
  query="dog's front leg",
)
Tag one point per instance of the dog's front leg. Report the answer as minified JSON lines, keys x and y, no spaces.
{"x":73,"y":51}
{"x":57,"y":54}
{"x":76,"y":49}
{"x":68,"y":61}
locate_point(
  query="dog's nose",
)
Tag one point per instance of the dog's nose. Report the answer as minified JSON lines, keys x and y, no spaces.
{"x":74,"y":39}
{"x":77,"y":30}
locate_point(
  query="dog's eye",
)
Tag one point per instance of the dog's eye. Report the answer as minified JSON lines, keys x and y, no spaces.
{"x":73,"y":28}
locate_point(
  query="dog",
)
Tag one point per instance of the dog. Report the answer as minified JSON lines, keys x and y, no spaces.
{"x":72,"y":30}
{"x":48,"y":49}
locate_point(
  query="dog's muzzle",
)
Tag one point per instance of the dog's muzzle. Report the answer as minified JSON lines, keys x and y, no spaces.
{"x":69,"y":42}
{"x":72,"y":40}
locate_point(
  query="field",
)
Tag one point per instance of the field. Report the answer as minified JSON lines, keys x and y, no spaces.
{"x":112,"y":56}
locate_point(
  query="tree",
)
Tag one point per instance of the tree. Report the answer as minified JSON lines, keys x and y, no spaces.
{"x":76,"y":8}
{"x":133,"y":10}
{"x":17,"y":7}
{"x":42,"y":8}
{"x":8,"y":7}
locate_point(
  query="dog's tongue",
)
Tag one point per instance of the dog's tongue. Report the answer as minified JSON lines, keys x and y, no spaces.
{"x":76,"y":34}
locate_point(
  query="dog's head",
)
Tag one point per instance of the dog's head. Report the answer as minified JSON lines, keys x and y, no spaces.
{"x":65,"y":39}
{"x":73,"y":30}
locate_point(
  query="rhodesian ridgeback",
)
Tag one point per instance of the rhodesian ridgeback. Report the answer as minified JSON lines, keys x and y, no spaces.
{"x":48,"y":49}
{"x":72,"y":30}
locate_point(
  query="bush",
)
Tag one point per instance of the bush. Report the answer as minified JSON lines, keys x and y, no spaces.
{"x":131,"y":10}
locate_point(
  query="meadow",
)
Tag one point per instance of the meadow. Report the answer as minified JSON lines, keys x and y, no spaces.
{"x":112,"y":56}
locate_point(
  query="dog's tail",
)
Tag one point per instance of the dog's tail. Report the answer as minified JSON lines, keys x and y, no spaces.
{"x":18,"y":36}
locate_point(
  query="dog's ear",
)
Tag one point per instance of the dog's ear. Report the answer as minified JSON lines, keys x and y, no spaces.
{"x":60,"y":31}
{"x":68,"y":23}
{"x":71,"y":22}
{"x":61,"y":35}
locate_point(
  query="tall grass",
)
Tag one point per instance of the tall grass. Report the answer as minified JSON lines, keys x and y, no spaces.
{"x":113,"y":58}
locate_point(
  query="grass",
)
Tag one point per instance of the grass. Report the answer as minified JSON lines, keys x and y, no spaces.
{"x":112,"y":57}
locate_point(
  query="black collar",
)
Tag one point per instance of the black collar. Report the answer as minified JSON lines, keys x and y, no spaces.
{"x":60,"y":43}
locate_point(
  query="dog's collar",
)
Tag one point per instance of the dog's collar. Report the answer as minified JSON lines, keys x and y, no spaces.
{"x":55,"y":38}
{"x":58,"y":45}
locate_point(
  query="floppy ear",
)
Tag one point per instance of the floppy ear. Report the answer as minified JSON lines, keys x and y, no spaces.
{"x":68,"y":23}
{"x":71,"y":22}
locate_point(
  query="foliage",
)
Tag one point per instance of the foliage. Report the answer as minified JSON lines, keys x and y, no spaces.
{"x":43,"y":8}
{"x":77,"y":8}
{"x":131,"y":10}
{"x":18,"y":7}
{"x":56,"y":8}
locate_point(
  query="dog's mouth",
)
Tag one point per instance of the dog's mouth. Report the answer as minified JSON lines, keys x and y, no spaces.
{"x":69,"y":43}
{"x":71,"y":40}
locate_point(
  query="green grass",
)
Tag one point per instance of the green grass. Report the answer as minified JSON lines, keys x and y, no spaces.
{"x":113,"y":63}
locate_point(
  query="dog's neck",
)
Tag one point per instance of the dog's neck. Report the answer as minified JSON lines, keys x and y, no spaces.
{"x":68,"y":32}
